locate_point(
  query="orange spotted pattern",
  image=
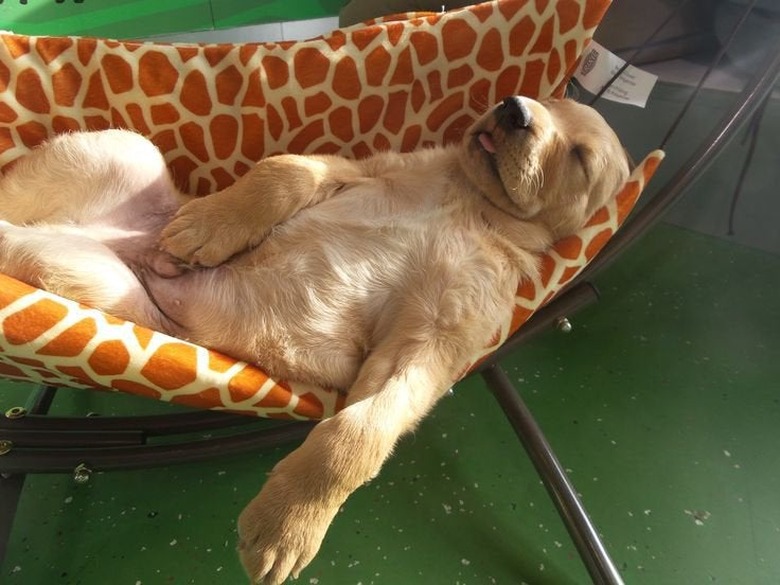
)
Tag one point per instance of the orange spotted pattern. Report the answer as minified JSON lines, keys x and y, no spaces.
{"x":214,"y":110}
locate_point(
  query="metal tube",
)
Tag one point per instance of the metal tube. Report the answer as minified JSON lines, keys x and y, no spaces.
{"x":57,"y":460}
{"x":11,"y":486}
{"x":40,"y":400}
{"x":46,"y":439}
{"x":592,"y":551}
{"x":150,"y":425}
{"x":10,"y":492}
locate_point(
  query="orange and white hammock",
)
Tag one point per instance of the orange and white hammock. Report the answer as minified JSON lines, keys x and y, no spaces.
{"x":214,"y":110}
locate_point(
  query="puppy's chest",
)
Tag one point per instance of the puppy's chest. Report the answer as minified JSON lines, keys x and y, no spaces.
{"x":371,"y":231}
{"x":388,"y":205}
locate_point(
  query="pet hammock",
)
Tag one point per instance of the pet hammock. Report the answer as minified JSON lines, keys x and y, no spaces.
{"x":213,"y":110}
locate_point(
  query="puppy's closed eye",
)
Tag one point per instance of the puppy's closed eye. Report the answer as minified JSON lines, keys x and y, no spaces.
{"x":581,"y":154}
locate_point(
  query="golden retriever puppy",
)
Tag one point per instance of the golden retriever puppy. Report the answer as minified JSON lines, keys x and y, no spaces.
{"x":381,"y":277}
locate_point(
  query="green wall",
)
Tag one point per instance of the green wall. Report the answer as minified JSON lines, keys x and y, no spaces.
{"x":138,"y":18}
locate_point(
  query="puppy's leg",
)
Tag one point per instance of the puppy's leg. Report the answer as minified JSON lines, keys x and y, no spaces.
{"x":281,"y":529}
{"x":209,"y":230}
{"x":424,"y":337}
{"x":84,"y":175}
{"x":61,"y":260}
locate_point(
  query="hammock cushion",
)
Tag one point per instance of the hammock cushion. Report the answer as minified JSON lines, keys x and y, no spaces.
{"x":213,"y":110}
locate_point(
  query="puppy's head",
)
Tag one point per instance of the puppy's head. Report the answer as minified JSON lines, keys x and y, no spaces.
{"x":552,"y":162}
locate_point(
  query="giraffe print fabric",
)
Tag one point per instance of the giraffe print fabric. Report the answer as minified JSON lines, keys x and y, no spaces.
{"x":213,"y":110}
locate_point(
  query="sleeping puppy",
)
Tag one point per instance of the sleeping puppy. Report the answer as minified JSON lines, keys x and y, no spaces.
{"x":381,"y":277}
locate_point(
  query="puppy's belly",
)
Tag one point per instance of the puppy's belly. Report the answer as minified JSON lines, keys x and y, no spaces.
{"x":264,"y":316}
{"x":312,"y":301}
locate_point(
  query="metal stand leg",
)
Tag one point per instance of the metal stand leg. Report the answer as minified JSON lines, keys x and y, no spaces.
{"x":10,"y":492}
{"x":598,"y":562}
{"x":11,"y":484}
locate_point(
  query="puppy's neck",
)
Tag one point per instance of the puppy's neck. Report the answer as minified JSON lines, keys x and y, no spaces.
{"x":524,"y":236}
{"x":528,"y":236}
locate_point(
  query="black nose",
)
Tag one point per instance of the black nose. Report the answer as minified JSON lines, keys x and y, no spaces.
{"x":513,"y":114}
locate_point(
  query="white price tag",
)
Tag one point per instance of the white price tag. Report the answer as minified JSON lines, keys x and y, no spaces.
{"x":597,"y":67}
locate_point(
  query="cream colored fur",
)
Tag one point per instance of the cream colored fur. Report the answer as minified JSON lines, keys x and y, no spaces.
{"x":381,"y":277}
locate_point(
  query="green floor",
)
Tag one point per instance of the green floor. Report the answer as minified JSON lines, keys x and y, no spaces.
{"x":663,"y":404}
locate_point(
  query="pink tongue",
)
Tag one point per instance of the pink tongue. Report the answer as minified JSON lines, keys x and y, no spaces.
{"x":486,"y":140}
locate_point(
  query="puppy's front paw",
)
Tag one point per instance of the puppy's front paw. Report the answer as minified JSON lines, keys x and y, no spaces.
{"x":203,"y":234}
{"x":279,"y":537}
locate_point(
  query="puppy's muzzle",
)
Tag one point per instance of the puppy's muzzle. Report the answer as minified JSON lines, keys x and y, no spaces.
{"x":513,"y":114}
